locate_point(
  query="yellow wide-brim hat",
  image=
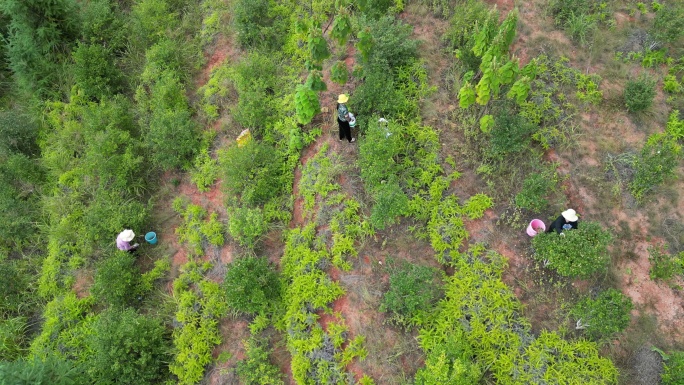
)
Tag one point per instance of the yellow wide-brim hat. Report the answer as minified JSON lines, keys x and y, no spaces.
{"x":342,"y":98}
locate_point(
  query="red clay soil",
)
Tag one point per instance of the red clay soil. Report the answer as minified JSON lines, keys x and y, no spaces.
{"x":224,"y":48}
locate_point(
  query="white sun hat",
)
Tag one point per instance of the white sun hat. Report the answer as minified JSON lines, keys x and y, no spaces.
{"x":127,"y":235}
{"x":570,"y":215}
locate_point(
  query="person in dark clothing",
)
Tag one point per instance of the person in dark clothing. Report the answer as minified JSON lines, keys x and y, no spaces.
{"x":342,"y":118}
{"x":568,"y":220}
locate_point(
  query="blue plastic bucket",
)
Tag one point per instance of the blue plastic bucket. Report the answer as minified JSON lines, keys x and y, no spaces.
{"x":151,"y":238}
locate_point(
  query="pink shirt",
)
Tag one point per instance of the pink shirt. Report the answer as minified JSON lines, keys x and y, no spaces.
{"x":123,"y":245}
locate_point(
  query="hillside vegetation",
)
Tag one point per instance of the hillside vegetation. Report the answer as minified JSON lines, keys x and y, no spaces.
{"x":287,"y":256}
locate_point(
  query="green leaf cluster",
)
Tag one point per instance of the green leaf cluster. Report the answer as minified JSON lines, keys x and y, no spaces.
{"x":413,"y":291}
{"x":673,"y":369}
{"x":580,"y":252}
{"x":252,"y":286}
{"x":200,"y":302}
{"x":604,"y":316}
{"x":256,"y":368}
{"x":664,"y":265}
{"x":639,"y":94}
{"x":117,"y":281}
{"x":195,"y":230}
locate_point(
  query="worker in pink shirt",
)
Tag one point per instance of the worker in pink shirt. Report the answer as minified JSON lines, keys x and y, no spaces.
{"x":123,"y":241}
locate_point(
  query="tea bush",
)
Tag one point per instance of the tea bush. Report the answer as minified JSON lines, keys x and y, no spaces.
{"x":413,"y":291}
{"x":252,"y":285}
{"x":460,"y":36}
{"x":664,"y":265}
{"x":195,"y":230}
{"x":639,"y":94}
{"x":655,"y":164}
{"x":536,"y":188}
{"x":117,"y":281}
{"x":256,"y":368}
{"x":95,"y":72}
{"x":449,"y":360}
{"x":673,"y":369}
{"x":511,"y":134}
{"x":253,"y":172}
{"x":668,"y":25}
{"x":205,"y":171}
{"x":579,"y":252}
{"x":604,"y":316}
{"x":128,"y":348}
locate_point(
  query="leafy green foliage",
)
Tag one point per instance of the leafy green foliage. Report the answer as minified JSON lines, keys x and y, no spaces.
{"x":258,"y":24}
{"x":339,"y":73}
{"x":481,"y":313}
{"x":604,"y":316}
{"x":341,"y":28}
{"x":536,"y":188}
{"x":413,"y":291}
{"x":12,"y":338}
{"x":254,"y":172}
{"x":460,"y":36}
{"x":391,"y":42}
{"x":576,"y":253}
{"x":673,"y":369}
{"x":97,"y":171}
{"x":306,"y":103}
{"x":580,"y":18}
{"x":66,"y":330}
{"x":668,"y":25}
{"x":195,"y":230}
{"x":128,"y":348}
{"x":49,"y":371}
{"x":256,"y":369}
{"x":639,"y":94}
{"x":259,"y":88}
{"x":94,"y":71}
{"x":199,"y":304}
{"x":511,"y":134}
{"x":655,"y":164}
{"x":15,"y":293}
{"x":251,"y":285}
{"x":449,"y":361}
{"x":117,"y":281}
{"x":40,"y":33}
{"x":476,"y":205}
{"x":664,"y":265}
{"x":169,"y":130}
{"x":205,"y":171}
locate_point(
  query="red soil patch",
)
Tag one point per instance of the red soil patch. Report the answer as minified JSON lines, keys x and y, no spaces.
{"x":84,"y":280}
{"x":224,"y":48}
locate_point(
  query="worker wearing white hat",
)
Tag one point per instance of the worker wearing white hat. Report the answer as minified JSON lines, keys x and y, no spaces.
{"x":123,"y":241}
{"x":566,"y":221}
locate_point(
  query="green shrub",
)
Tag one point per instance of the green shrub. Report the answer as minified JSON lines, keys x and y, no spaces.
{"x":258,"y":24}
{"x":673,"y":370}
{"x":205,"y":171}
{"x":639,"y":94}
{"x":94,"y":71}
{"x":413,"y":291}
{"x":536,"y":188}
{"x":461,"y":35}
{"x":128,"y":348}
{"x":67,"y":326}
{"x":252,"y":285}
{"x":195,"y":230}
{"x":256,"y":369}
{"x":579,"y":252}
{"x":41,"y":32}
{"x":169,"y":130}
{"x":117,"y":281}
{"x":49,"y":371}
{"x":254,"y":172}
{"x":259,"y":88}
{"x":511,"y":134}
{"x":668,"y":25}
{"x":13,"y":338}
{"x":450,"y":362}
{"x":16,"y":290}
{"x":393,"y":46}
{"x":603,"y":317}
{"x":246,"y":224}
{"x":390,"y":203}
{"x":664,"y":265}
{"x":655,"y":164}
